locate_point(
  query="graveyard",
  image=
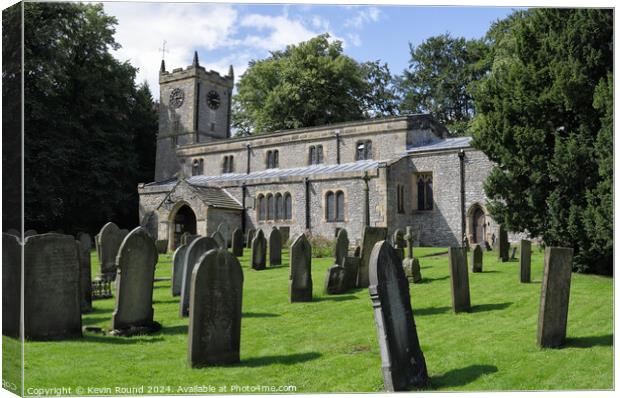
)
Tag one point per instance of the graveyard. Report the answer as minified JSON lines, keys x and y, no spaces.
{"x":329,"y":344}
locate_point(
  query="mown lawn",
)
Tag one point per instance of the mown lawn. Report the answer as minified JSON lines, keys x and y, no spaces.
{"x":330,"y":345}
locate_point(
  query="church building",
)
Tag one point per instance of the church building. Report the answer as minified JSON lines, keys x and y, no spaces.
{"x":391,"y":172}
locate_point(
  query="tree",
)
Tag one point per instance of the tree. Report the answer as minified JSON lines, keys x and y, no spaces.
{"x":438,"y":81}
{"x":544,"y":117}
{"x":84,"y":121}
{"x":310,"y":84}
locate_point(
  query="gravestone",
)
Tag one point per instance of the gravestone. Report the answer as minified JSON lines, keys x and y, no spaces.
{"x":84,"y":248}
{"x":476,"y":258}
{"x":195,"y":250}
{"x":219,"y":239}
{"x":237,"y":242}
{"x":402,"y":360}
{"x":503,"y":245}
{"x":178,"y":260}
{"x":110,"y":238}
{"x":351,"y":266}
{"x":250,"y":238}
{"x":275,"y":247}
{"x":30,"y":232}
{"x":161,"y":246}
{"x":334,"y":280}
{"x":214,"y":331}
{"x":525,"y":261}
{"x":223,"y":229}
{"x":399,"y":243}
{"x":135,"y":263}
{"x":371,"y":236}
{"x":411,"y":265}
{"x":341,"y":247}
{"x":357,"y":252}
{"x":124,"y":232}
{"x":11,"y":284}
{"x":51,"y":288}
{"x":554,"y":297}
{"x":259,"y":251}
{"x":487,"y":246}
{"x":459,"y":279}
{"x":514,"y":253}
{"x":300,"y":287}
{"x":286,"y":233}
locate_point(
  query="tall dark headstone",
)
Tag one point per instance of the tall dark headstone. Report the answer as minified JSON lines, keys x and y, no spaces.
{"x":237,"y":242}
{"x":351,"y":266}
{"x":178,"y":261}
{"x":411,"y":265}
{"x":341,"y":247}
{"x":275,"y":247}
{"x":300,"y":288}
{"x":371,"y":236}
{"x":258,"y":261}
{"x":402,"y":360}
{"x":459,"y":279}
{"x":554,"y":297}
{"x":250,"y":238}
{"x":476,"y":258}
{"x":525,"y":261}
{"x":110,"y":238}
{"x":136,"y":260}
{"x":51,"y":288}
{"x":11,"y":284}
{"x":503,"y":244}
{"x":195,"y":250}
{"x":84,"y":246}
{"x":214,"y":332}
{"x":399,"y":243}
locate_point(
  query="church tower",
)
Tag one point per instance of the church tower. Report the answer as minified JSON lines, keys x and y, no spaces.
{"x":194,"y":107}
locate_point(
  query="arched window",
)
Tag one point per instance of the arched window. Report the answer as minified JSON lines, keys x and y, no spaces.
{"x":429,"y":193}
{"x":420,"y":193}
{"x":330,"y":206}
{"x":272,"y":159}
{"x":269,"y":159}
{"x":319,"y":154}
{"x":279,"y":207}
{"x":225,"y":166}
{"x":262,"y":207}
{"x":425,"y":191}
{"x":339,"y":206}
{"x":288,"y":206}
{"x":270,"y":207}
{"x":276,"y":160}
{"x":363,"y":150}
{"x":312,"y":155}
{"x":400,"y":198}
{"x":197,"y":167}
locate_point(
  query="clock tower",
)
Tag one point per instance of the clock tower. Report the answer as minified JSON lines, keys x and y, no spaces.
{"x":194,"y":107}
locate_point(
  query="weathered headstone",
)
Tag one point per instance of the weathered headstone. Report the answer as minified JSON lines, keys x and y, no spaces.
{"x":351,"y":266}
{"x":514,"y":253}
{"x":51,"y":288}
{"x":398,"y":241}
{"x":30,"y":232}
{"x":341,"y":247}
{"x":214,"y":332}
{"x":275,"y":247}
{"x":459,"y":279}
{"x":178,"y":260}
{"x":300,"y":288}
{"x":110,"y":238}
{"x":411,"y":265}
{"x":135,"y":263}
{"x":258,"y":259}
{"x":223,"y":229}
{"x":334,"y":280}
{"x":525,"y":261}
{"x":237,"y":242}
{"x":219,"y":239}
{"x":402,"y":360}
{"x":503,"y":245}
{"x":371,"y":236}
{"x":84,"y":249}
{"x":250,"y":238}
{"x":476,"y":258}
{"x":554,"y":297}
{"x":11,"y":284}
{"x":195,"y":250}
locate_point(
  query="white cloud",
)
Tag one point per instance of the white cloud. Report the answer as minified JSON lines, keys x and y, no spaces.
{"x":354,"y":39}
{"x":282,"y":31}
{"x":364,"y":16}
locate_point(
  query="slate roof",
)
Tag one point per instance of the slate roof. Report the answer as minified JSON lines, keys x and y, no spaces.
{"x":444,"y":144}
{"x":216,"y":197}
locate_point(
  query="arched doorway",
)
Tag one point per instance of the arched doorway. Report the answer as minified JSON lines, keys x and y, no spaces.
{"x":184,"y":221}
{"x":478,"y":225}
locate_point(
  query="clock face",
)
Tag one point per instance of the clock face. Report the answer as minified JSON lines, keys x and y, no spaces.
{"x":213,"y":99}
{"x":176,"y":98}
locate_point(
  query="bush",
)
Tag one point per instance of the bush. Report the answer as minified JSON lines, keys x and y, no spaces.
{"x":321,"y":246}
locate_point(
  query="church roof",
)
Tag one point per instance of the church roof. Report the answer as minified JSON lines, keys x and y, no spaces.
{"x":442,"y":145}
{"x":216,"y":197}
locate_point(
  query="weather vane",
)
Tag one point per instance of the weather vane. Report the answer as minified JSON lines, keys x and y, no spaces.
{"x":163,"y":50}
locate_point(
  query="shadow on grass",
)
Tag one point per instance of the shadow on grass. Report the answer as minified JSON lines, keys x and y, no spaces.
{"x":167,"y":301}
{"x":461,"y":377}
{"x":178,"y":329}
{"x":490,"y":307}
{"x":442,"y":253}
{"x":258,"y":315}
{"x":87,"y":321}
{"x":430,"y":311}
{"x":589,"y":341}
{"x":429,"y":280}
{"x":100,"y":311}
{"x":291,"y":359}
{"x":91,"y":338}
{"x":334,"y":298}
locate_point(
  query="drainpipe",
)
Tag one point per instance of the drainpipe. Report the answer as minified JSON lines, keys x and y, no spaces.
{"x":243,"y":215}
{"x":249,"y":148}
{"x":366,"y":178}
{"x":337,"y":146}
{"x":462,"y":172}
{"x":307,"y":184}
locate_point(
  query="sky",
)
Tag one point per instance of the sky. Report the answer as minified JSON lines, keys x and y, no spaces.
{"x":233,"y":34}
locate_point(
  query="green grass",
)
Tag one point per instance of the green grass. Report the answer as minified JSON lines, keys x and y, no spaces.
{"x":330,"y":344}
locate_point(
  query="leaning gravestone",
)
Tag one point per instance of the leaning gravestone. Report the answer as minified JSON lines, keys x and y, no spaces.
{"x":341,"y":248}
{"x":300,"y":284}
{"x":371,"y":236}
{"x":459,"y":279}
{"x":194,"y":251}
{"x":84,"y":247}
{"x":275,"y":247}
{"x":351,"y":266}
{"x":178,"y":259}
{"x":411,"y":265}
{"x":259,"y":251}
{"x":503,"y":245}
{"x":219,"y":239}
{"x":399,"y":243}
{"x":402,"y":360}
{"x":11,"y":284}
{"x":136,"y":261}
{"x":476,"y":258}
{"x":525,"y":261}
{"x":237,"y":242}
{"x":110,"y":238}
{"x":554,"y":297}
{"x":334,"y":280}
{"x":250,"y":238}
{"x":214,"y":332}
{"x":51,"y":288}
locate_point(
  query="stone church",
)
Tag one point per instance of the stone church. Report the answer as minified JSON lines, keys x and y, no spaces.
{"x":392,"y":172}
